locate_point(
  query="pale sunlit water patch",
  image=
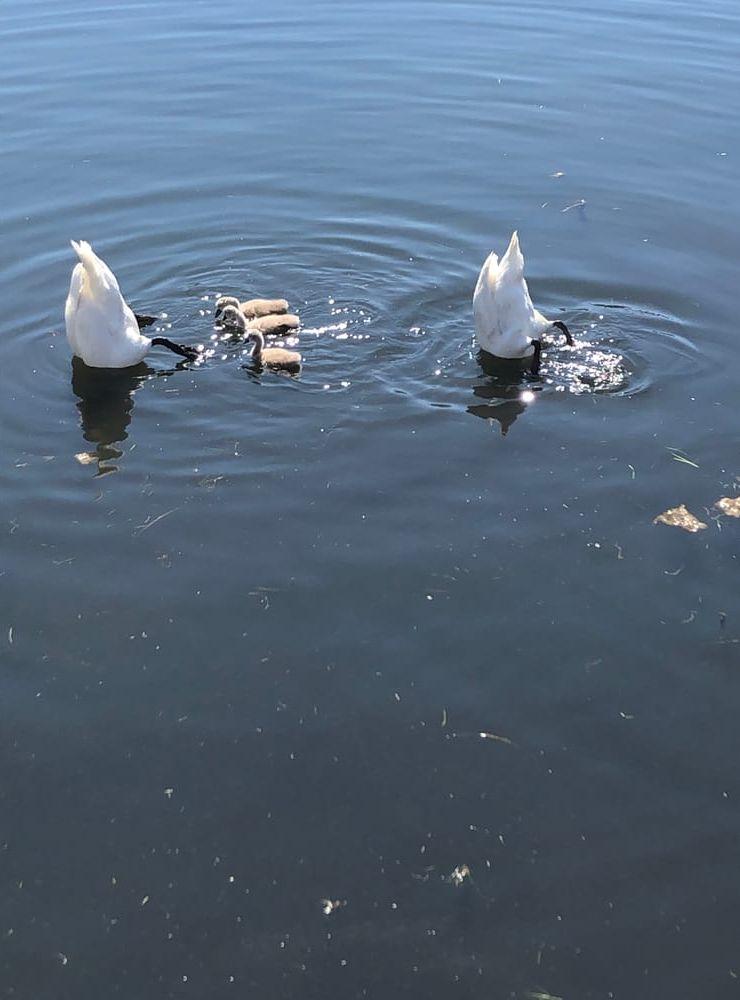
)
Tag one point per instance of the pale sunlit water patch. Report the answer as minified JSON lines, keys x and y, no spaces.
{"x":585,"y":367}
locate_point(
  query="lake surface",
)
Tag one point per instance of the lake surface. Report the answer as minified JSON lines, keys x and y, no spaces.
{"x":253,"y":627}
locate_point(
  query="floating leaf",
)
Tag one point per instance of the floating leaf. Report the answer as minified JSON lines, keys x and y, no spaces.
{"x":680,"y":517}
{"x":86,"y":457}
{"x":729,"y":505}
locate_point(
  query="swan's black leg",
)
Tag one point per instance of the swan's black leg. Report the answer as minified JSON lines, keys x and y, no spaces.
{"x":191,"y":353}
{"x":534,"y":370}
{"x":144,"y":320}
{"x":565,"y":331}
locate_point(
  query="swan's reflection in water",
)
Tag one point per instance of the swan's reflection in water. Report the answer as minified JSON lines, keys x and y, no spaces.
{"x":504,"y":403}
{"x":586,"y":367}
{"x":106,"y":402}
{"x":507,"y":392}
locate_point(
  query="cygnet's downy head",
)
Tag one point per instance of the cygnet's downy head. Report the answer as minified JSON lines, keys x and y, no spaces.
{"x":231,"y":317}
{"x":226,"y":300}
{"x":257,"y":339}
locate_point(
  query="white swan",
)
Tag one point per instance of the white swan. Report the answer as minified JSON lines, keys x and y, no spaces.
{"x":507,"y":325}
{"x":101,"y":328}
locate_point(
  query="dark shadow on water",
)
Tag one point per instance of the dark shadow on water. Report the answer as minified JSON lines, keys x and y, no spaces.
{"x":511,"y":369}
{"x":106,"y":403}
{"x":587,"y":367}
{"x":505,"y":402}
{"x":508,"y":392}
{"x":256,"y":370}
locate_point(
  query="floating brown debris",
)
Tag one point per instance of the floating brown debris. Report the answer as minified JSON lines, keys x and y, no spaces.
{"x":680,"y":517}
{"x":330,"y":905}
{"x":458,"y":876}
{"x":729,"y":505}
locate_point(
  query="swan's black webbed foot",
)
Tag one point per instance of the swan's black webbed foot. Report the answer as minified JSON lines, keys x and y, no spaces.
{"x":191,"y":353}
{"x":565,"y":331}
{"x":144,"y":320}
{"x":534,"y":369}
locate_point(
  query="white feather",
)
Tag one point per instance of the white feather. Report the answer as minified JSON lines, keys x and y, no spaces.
{"x":506,"y":322}
{"x":101,"y":328}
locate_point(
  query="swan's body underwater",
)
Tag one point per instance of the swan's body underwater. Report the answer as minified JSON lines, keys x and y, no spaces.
{"x":507,"y":325}
{"x":101,"y":327}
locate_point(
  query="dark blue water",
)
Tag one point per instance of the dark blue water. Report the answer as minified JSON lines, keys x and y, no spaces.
{"x":253,"y":627}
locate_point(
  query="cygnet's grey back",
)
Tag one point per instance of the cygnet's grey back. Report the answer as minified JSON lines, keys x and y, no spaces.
{"x":254,"y":308}
{"x":276,"y":324}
